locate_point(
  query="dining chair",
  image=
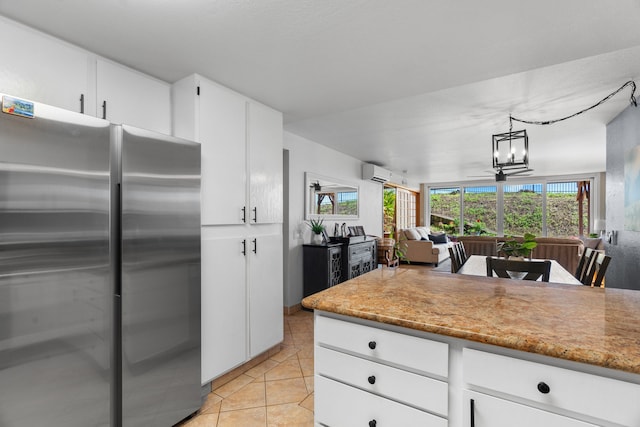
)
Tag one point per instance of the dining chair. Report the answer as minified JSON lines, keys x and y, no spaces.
{"x":455,"y":261}
{"x":463,"y":253}
{"x":583,"y":264}
{"x":509,"y":269}
{"x":597,"y":268}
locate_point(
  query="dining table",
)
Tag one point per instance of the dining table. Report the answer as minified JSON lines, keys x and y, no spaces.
{"x":476,"y":265}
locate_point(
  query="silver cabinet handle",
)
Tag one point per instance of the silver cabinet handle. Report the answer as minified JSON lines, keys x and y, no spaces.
{"x":255,"y":246}
{"x":82,"y":103}
{"x":104,"y":110}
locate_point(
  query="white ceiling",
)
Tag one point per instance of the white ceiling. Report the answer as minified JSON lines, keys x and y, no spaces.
{"x":415,"y":85}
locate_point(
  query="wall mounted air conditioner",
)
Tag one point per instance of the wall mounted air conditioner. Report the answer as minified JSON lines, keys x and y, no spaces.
{"x":375,"y":173}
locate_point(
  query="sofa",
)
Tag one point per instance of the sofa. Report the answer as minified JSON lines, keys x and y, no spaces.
{"x":418,"y":248}
{"x":566,"y":251}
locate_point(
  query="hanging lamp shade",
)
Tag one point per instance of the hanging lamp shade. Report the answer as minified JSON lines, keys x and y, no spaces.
{"x":511,"y":150}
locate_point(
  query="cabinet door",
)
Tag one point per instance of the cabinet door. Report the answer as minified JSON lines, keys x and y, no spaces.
{"x":488,"y":411}
{"x":222,"y":133}
{"x":126,"y":96}
{"x":265,"y":288}
{"x":334,"y":264}
{"x":265,"y":164}
{"x":224,"y":296}
{"x":40,"y":68}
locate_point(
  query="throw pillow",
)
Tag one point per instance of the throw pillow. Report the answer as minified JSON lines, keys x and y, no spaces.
{"x":423,"y":232}
{"x":438,"y":238}
{"x":411,"y":234}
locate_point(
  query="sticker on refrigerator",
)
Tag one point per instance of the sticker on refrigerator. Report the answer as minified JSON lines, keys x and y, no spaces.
{"x":17,"y":107}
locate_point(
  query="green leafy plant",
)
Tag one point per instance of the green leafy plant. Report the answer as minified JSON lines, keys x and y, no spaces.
{"x":450,"y":228}
{"x":514,"y":247}
{"x":477,"y":228}
{"x":399,"y":247}
{"x":316,"y":225}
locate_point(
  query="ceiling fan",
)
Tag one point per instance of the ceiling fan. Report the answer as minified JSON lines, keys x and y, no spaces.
{"x":501,"y":175}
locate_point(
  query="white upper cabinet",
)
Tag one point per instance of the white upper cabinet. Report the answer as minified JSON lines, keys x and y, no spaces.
{"x":42,"y":69}
{"x":127,"y":96}
{"x":241,"y":152}
{"x":222,"y":130}
{"x":265,"y":163}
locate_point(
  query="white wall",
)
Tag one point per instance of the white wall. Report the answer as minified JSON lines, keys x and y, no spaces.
{"x":308,"y":156}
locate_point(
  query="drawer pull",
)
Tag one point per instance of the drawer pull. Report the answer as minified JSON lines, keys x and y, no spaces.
{"x":373,"y":423}
{"x":372,"y":345}
{"x":543,"y":387}
{"x":371,"y":379}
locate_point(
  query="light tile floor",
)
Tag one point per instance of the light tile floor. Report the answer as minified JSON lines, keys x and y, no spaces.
{"x":277,"y":392}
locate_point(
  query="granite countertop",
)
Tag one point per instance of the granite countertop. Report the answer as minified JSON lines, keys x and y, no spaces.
{"x":578,"y":323}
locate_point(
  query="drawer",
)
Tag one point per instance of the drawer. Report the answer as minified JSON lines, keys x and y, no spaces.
{"x":592,"y":395}
{"x":360,"y":251}
{"x":404,"y":351}
{"x":337,"y":405}
{"x":405,"y":387}
{"x":491,"y":411}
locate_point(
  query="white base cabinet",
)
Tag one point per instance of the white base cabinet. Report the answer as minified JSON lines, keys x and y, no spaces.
{"x":368,"y":376}
{"x":554,"y":389}
{"x":241,"y":295}
{"x":265,"y":291}
{"x":367,"y":371}
{"x":223,"y":303}
{"x":486,"y":411}
{"x":340,"y":405}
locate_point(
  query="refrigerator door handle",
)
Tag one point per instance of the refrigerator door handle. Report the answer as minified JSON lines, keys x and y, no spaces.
{"x":117,"y":265}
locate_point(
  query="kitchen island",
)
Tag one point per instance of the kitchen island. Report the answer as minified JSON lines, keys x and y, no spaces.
{"x":475,"y":351}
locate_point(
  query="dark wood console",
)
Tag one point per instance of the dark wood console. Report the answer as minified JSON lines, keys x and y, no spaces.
{"x":342,"y":259}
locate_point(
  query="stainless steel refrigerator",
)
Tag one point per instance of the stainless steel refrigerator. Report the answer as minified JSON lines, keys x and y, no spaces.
{"x":99,"y":271}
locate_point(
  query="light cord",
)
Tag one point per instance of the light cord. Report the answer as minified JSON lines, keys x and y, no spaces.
{"x":632,"y":100}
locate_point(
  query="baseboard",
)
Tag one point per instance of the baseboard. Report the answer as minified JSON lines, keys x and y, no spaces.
{"x":292,"y":310}
{"x":236,"y":372}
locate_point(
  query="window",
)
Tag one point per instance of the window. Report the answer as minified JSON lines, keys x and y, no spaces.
{"x":480,"y":213}
{"x":567,"y":213}
{"x":445,"y":209}
{"x":522,"y":209}
{"x":555,"y":209}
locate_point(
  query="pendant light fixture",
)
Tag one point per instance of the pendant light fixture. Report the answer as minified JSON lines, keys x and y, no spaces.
{"x":510,"y":150}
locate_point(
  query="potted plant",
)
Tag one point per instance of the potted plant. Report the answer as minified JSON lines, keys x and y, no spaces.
{"x":477,"y":228}
{"x":513,"y":248}
{"x":316,"y":230}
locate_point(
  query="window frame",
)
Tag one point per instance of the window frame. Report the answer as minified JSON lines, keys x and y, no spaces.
{"x":593,"y":178}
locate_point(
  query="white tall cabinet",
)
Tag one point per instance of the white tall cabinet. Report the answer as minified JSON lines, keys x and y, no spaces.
{"x":242,"y":291}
